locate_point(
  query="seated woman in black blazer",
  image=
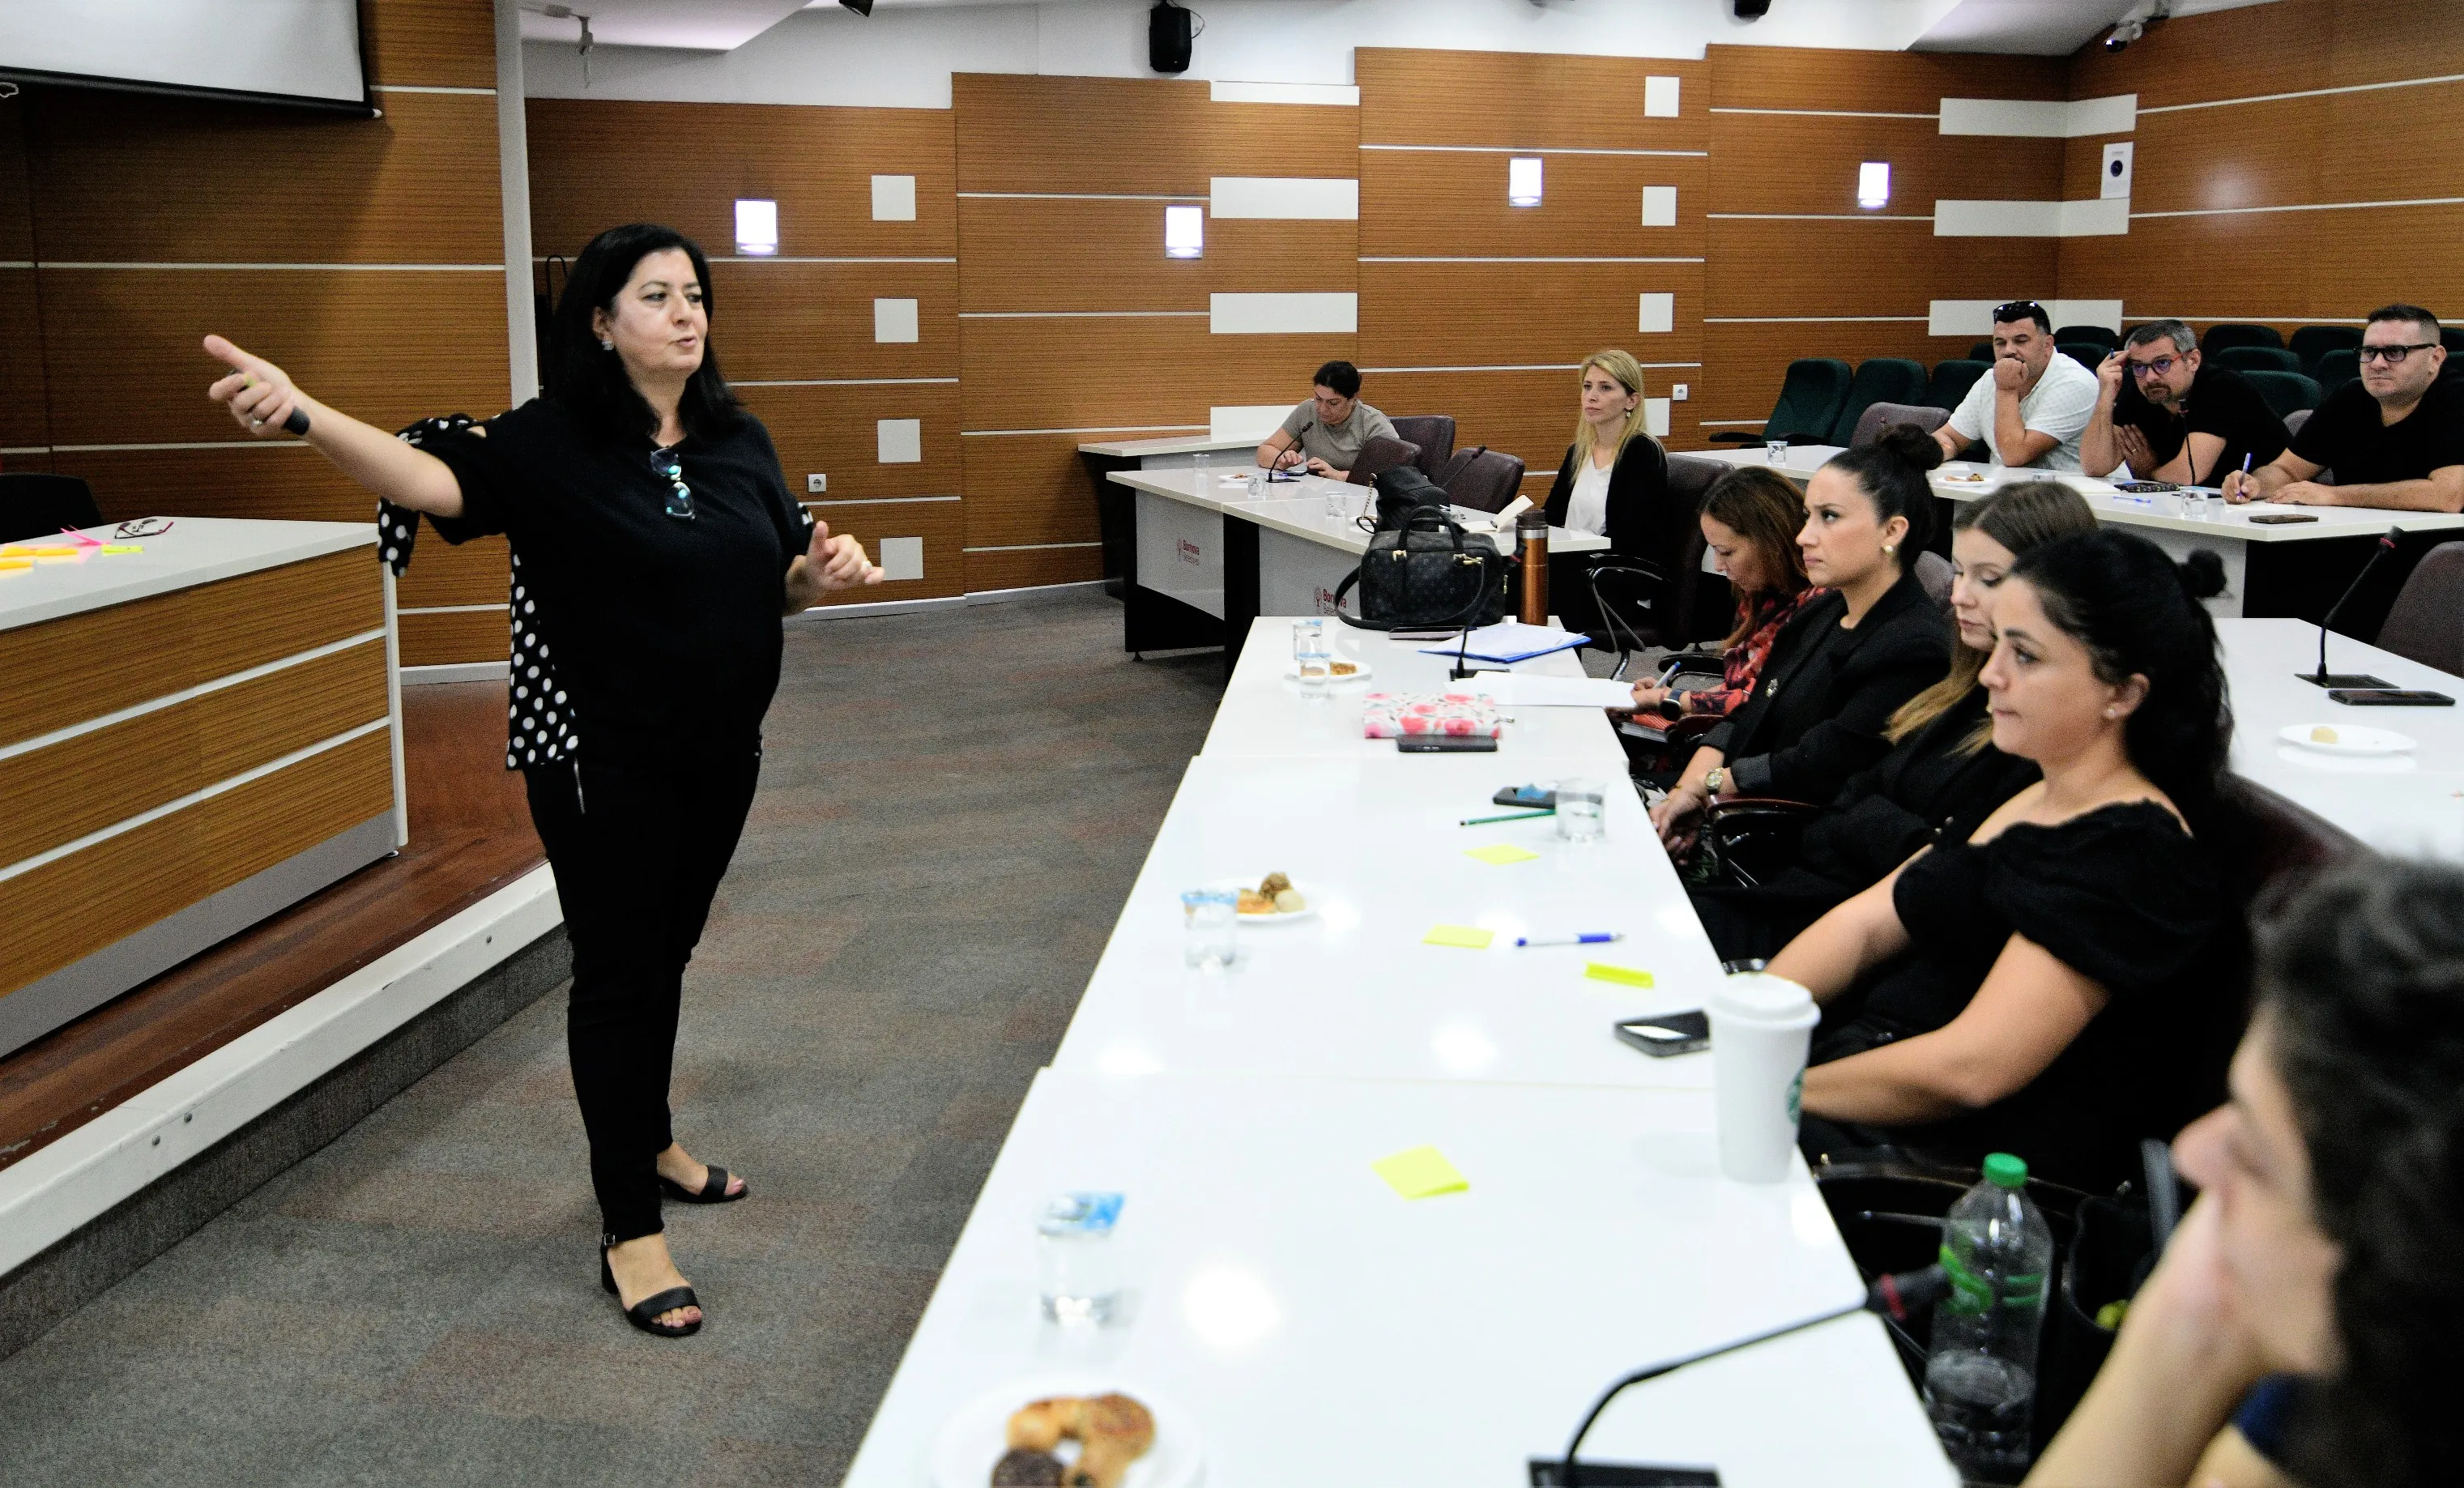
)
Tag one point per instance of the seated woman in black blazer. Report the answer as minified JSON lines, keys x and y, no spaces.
{"x":1613,"y":484}
{"x":2051,"y":986}
{"x":1943,"y":775}
{"x":1847,"y":661}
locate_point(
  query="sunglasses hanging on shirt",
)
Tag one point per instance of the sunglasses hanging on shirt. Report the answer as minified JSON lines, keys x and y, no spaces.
{"x":680,"y":503}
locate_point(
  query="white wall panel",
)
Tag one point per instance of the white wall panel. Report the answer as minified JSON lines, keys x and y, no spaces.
{"x":1284,"y":315}
{"x":1284,"y":198}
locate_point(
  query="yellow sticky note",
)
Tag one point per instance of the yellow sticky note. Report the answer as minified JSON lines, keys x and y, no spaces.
{"x":15,"y":563}
{"x":1623,"y":975}
{"x":124,"y":547}
{"x":1421,"y":1172}
{"x":1471,"y":937}
{"x":1501,"y":853}
{"x":54,"y":550}
{"x":16,"y":550}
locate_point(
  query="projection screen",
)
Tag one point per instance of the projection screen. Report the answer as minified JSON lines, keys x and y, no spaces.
{"x":299,"y":52}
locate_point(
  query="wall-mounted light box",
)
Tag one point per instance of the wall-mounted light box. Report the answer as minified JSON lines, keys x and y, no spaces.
{"x":756,"y":228}
{"x":1874,"y":185}
{"x":1184,"y":233}
{"x":1522,"y":181}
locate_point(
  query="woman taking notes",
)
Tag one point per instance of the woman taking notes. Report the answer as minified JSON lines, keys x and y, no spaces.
{"x":1614,"y":483}
{"x":2048,"y":986}
{"x":1843,"y":666}
{"x":1750,"y":521}
{"x":655,"y":548}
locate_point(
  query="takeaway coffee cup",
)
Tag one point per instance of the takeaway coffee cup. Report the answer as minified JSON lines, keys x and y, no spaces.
{"x":1760,"y":1028}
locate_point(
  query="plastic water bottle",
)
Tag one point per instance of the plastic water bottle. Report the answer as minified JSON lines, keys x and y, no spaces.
{"x":1980,"y":1377}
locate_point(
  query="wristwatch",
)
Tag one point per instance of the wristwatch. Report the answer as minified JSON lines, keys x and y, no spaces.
{"x":1716,"y":781}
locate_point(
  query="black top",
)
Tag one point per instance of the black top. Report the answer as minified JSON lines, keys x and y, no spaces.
{"x":1639,"y":519}
{"x":1826,"y":694}
{"x":2221,"y":402}
{"x":2346,"y":437}
{"x":1928,"y":788}
{"x":2123,"y":896}
{"x":649,"y":636}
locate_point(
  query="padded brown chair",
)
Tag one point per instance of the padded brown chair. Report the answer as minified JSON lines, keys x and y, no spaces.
{"x":1484,"y":480}
{"x":1879,"y":416}
{"x":1379,"y":454}
{"x":2426,"y":621}
{"x":1435,"y":434}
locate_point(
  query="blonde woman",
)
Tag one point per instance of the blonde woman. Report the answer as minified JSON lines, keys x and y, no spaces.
{"x":1614,"y":483}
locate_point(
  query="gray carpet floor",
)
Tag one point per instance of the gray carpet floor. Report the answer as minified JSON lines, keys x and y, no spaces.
{"x":952,"y":807}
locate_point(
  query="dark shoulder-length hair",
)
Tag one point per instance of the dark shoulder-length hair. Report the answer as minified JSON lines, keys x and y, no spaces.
{"x":2363,"y":970}
{"x":588,"y":380}
{"x":2138,"y":613}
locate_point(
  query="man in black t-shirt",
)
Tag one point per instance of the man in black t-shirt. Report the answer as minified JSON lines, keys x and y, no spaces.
{"x":2170,"y":418}
{"x":2395,"y":439}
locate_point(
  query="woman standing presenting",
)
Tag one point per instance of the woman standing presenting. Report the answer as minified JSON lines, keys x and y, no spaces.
{"x":655,"y":548}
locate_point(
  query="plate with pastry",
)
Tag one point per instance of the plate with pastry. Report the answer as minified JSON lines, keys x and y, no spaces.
{"x":1066,"y":1431}
{"x":2345,"y":738}
{"x":1344,"y":668}
{"x":1271,"y":900}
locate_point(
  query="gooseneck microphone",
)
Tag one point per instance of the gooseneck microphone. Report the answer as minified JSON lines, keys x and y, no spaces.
{"x":2322,"y":677}
{"x":1898,"y":1297}
{"x":1301,"y":469}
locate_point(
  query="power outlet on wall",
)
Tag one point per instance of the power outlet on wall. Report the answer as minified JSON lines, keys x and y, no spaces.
{"x":1677,"y":391}
{"x":815,"y":484}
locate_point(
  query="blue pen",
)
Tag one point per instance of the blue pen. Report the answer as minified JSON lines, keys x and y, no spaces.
{"x":1591,"y":938}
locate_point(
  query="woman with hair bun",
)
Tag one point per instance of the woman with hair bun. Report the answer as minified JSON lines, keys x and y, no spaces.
{"x":2302,"y":1325}
{"x":1846,"y":662}
{"x":1943,"y":775}
{"x":2038,"y":988}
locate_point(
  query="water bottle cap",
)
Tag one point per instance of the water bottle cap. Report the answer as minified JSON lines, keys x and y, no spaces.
{"x":2005,"y":1172}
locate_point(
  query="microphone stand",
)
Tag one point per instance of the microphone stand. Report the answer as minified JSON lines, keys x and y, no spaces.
{"x":2322,"y":677}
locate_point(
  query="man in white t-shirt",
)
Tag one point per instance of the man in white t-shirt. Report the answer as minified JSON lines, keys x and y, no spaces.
{"x":2033,"y":408}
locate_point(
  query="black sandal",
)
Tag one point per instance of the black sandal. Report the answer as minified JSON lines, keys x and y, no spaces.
{"x":714,"y":1189}
{"x":644,"y":1314}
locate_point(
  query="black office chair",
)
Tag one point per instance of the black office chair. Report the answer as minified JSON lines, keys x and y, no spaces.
{"x":2259,"y":359}
{"x":2312,"y":342}
{"x":1809,"y":398}
{"x":2087,"y":336}
{"x":2451,"y":336}
{"x":1877,"y":380}
{"x":1982,"y":351}
{"x":1647,"y":600}
{"x":2086,"y":354}
{"x":2426,"y":621}
{"x":2235,"y":334}
{"x":37,"y":504}
{"x":2284,"y":391}
{"x":1952,"y":380}
{"x":1870,"y":422}
{"x":2336,"y":368}
{"x":1435,"y":434}
{"x":1484,"y":480}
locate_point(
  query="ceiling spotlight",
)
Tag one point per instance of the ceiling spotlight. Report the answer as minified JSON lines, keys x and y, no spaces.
{"x":2124,"y":34}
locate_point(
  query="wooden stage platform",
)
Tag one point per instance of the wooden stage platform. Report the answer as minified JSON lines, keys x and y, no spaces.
{"x":469,"y":835}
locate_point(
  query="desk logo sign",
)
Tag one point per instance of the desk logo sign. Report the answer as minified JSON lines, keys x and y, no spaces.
{"x":1188,"y":551}
{"x":1326,"y":603}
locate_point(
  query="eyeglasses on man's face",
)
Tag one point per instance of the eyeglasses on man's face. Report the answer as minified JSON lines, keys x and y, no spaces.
{"x":2393,"y":355}
{"x":2157,"y":367}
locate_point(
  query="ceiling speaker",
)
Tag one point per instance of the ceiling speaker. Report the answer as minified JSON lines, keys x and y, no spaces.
{"x":1746,"y":9}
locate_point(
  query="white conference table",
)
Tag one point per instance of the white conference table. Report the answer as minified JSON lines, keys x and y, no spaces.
{"x":1205,"y":556}
{"x":2409,"y":804}
{"x":2260,"y":559}
{"x":1305,"y":1325}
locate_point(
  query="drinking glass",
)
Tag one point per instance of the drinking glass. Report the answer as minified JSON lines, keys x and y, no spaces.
{"x":1204,"y":463}
{"x":1312,"y":660}
{"x":1581,"y":804}
{"x":1209,"y":923}
{"x":1775,"y":450}
{"x":1078,"y":1274}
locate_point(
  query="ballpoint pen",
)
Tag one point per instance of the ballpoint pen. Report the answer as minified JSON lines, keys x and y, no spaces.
{"x":1588,"y":938}
{"x":1511,"y":815}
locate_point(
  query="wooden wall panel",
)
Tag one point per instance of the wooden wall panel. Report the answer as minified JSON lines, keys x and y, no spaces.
{"x":1026,"y":568}
{"x":1528,"y":414}
{"x":1868,"y":266}
{"x":1743,"y":365}
{"x":830,"y":431}
{"x":1129,"y":372}
{"x":476,"y":573}
{"x":1418,"y":203}
{"x":1119,"y":135}
{"x":1080,"y":253}
{"x":455,"y":637}
{"x":24,"y":419}
{"x":1524,"y":99}
{"x":430,"y":43}
{"x":1026,"y":488}
{"x":2275,"y":266}
{"x":1841,"y":82}
{"x":1794,"y":163}
{"x":943,"y":526}
{"x":187,"y":181}
{"x":590,"y":171}
{"x":1469,"y":313}
{"x":2286,"y":47}
{"x":771,"y":320}
{"x":126,"y":366}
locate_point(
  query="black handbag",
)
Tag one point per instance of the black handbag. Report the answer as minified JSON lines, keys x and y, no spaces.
{"x":1426,"y":574}
{"x":1402,"y":490}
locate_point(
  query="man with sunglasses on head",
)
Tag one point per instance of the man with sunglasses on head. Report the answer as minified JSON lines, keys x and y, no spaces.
{"x":2033,"y":409}
{"x":2168,"y":418}
{"x":2395,"y":439}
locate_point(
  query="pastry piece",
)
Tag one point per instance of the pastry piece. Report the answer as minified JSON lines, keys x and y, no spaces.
{"x":1117,"y":1418}
{"x":1252,"y":902}
{"x":1102,"y":1465}
{"x":1275,"y":883}
{"x":1039,"y":1426}
{"x":2322,"y":735}
{"x":1020,"y":1467}
{"x":1344,"y":668}
{"x":1289,"y":901}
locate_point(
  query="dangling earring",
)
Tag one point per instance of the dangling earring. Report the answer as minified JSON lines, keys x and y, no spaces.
{"x":607,"y":345}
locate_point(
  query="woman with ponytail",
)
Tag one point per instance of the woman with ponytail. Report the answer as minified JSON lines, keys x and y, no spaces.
{"x":2041,"y":986}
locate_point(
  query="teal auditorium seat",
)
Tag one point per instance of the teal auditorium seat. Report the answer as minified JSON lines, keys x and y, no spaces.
{"x":2285,"y":392}
{"x":1951,"y":383}
{"x":1810,"y":398}
{"x":1877,"y":380}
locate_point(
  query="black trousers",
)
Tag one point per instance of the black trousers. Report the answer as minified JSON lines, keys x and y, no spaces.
{"x":638,"y":853}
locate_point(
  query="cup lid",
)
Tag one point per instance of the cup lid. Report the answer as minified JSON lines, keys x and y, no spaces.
{"x":1758,"y":997}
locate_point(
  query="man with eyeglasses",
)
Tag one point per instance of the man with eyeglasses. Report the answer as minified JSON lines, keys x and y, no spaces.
{"x":2036,"y":403}
{"x":2168,"y":418}
{"x":2395,"y":439}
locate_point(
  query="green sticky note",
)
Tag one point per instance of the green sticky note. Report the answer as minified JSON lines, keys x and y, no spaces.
{"x":1421,"y":1172}
{"x":1471,"y":937}
{"x":1501,"y":853}
{"x":1623,"y":975}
